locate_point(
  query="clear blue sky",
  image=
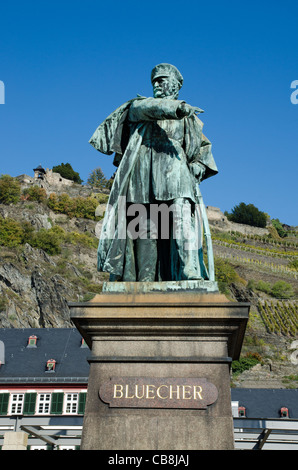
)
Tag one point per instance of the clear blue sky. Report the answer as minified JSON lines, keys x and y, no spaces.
{"x":67,"y":64}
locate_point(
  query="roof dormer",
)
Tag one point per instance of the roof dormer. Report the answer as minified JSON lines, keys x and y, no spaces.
{"x":50,"y":365}
{"x":32,"y":341}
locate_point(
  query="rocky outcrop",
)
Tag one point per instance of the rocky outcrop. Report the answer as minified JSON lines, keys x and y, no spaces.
{"x":32,"y":298}
{"x":51,"y":295}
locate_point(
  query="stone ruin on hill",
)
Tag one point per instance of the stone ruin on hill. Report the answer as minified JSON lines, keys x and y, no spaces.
{"x":54,"y":182}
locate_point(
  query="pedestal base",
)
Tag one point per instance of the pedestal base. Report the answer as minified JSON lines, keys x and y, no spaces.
{"x":199,"y":286}
{"x":160,"y":370}
{"x":15,"y":440}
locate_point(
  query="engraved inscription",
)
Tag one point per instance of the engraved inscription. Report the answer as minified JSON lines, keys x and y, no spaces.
{"x":158,"y":392}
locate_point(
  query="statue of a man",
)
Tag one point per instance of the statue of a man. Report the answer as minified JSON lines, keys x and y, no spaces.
{"x":162,"y":156}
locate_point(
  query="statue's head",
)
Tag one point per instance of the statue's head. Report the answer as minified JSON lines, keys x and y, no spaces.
{"x":166,"y":80}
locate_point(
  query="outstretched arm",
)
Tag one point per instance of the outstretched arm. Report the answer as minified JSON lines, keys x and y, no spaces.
{"x":155,"y":109}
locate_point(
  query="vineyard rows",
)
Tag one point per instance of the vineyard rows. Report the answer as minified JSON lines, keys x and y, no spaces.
{"x":287,"y":242}
{"x":280,"y":317}
{"x":276,"y":268}
{"x":252,"y":249}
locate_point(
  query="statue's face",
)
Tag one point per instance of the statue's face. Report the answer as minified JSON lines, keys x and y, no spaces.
{"x":165,"y":87}
{"x":162,"y":87}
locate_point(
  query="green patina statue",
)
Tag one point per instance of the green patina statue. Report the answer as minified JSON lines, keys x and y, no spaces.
{"x":162,"y":155}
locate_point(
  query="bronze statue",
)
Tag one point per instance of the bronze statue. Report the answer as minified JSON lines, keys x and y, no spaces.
{"x":162,"y":155}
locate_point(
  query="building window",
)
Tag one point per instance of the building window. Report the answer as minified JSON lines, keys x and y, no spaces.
{"x":82,"y":403}
{"x":57,"y":403}
{"x":16,"y":403}
{"x":50,"y":366}
{"x":29,"y":403}
{"x":4,"y":400}
{"x":44,"y":403}
{"x":71,"y":403}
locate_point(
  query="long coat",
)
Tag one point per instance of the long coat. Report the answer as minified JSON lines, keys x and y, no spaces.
{"x":159,"y":157}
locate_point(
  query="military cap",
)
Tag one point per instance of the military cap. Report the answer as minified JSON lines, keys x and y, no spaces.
{"x":166,"y":70}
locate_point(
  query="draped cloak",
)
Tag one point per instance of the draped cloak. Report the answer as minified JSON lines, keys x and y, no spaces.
{"x":128,"y":139}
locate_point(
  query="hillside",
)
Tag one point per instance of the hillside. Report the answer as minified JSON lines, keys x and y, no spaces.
{"x":48,"y":257}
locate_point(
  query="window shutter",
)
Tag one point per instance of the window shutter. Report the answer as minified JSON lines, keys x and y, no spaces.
{"x":57,"y":403}
{"x":82,"y":403}
{"x":29,"y":403}
{"x":4,"y":398}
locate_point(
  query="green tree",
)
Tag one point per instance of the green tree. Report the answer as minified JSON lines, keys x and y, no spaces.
{"x":279,"y":228}
{"x":247,"y":214}
{"x":97,"y":179}
{"x":66,"y":171}
{"x":10,"y":190}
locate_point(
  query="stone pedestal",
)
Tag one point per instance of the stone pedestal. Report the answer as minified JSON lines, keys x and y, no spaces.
{"x":160,"y":369}
{"x":15,"y":440}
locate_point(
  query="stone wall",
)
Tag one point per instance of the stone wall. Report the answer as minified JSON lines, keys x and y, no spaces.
{"x":220,"y":222}
{"x":55,"y":179}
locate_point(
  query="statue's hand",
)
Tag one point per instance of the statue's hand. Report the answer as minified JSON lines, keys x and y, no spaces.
{"x":185,"y":110}
{"x":198,"y":110}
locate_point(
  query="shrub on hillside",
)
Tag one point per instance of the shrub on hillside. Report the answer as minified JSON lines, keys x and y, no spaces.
{"x":28,"y":231}
{"x":84,"y":239}
{"x":259,"y":285}
{"x":225,"y":274}
{"x":61,"y":203}
{"x":246,"y":363}
{"x":14,"y":233}
{"x":73,"y":207}
{"x":85,"y":207}
{"x":47,"y":240}
{"x":279,"y":228}
{"x":247,"y":214}
{"x":11,"y":233}
{"x":10,"y":190}
{"x":282,"y":290}
{"x":35,"y":193}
